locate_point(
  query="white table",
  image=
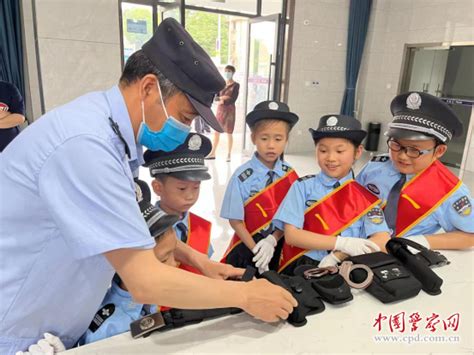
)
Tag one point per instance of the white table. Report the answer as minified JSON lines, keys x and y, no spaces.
{"x":340,"y":329}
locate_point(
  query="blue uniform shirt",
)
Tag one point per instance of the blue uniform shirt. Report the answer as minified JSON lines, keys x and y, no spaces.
{"x":455,"y":213}
{"x":70,"y":198}
{"x":249,"y":179}
{"x":115,"y":314}
{"x":182,"y":234}
{"x":306,"y":191}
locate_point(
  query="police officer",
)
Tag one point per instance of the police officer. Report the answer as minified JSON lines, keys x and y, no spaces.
{"x":418,"y":137}
{"x":72,"y":220}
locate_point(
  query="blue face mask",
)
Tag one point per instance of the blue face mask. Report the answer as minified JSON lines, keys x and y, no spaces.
{"x":168,"y":138}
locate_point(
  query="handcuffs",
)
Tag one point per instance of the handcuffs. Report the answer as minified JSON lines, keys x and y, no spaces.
{"x":344,"y":270}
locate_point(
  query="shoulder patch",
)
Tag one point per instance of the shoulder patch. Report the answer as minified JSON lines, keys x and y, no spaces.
{"x":462,"y":206}
{"x":375,"y":215}
{"x":285,"y":168}
{"x":244,"y":175}
{"x":380,"y":158}
{"x":101,"y":316}
{"x":306,"y":177}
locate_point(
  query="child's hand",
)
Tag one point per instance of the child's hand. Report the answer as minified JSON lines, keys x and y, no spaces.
{"x":263,"y":252}
{"x":221,"y":271}
{"x":355,"y":246}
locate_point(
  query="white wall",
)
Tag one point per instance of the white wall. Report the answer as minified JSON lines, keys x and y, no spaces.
{"x":79,"y":47}
{"x":393,"y":24}
{"x":318,"y":55}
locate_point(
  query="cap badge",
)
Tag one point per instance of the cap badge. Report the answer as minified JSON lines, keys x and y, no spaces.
{"x":414,"y":101}
{"x":331,"y":121}
{"x":195,"y":142}
{"x":273,"y":106}
{"x":138,"y":192}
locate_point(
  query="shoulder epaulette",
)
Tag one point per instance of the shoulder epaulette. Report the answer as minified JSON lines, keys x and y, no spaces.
{"x":285,"y":168}
{"x":244,"y":175}
{"x":306,"y":177}
{"x":380,"y":158}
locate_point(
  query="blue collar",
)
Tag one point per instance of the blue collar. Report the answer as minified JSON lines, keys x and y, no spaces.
{"x":329,"y":181}
{"x":262,"y":168}
{"x":120,"y":115}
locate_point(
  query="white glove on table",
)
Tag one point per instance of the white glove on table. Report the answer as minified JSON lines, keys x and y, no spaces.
{"x":50,"y":345}
{"x":355,"y":246}
{"x":263,"y":252}
{"x":329,"y":260}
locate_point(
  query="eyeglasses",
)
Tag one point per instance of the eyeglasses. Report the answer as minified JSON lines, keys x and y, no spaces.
{"x":411,"y":152}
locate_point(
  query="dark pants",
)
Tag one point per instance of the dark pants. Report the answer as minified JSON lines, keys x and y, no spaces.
{"x":302,"y":260}
{"x":241,"y":256}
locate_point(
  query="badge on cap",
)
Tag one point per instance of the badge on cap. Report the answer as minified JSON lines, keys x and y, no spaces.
{"x":273,"y":106}
{"x":194,"y":143}
{"x":332,"y":121}
{"x":414,"y":101}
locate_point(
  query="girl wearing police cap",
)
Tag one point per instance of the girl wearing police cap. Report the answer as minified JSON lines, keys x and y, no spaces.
{"x":420,"y":195}
{"x":329,"y":210}
{"x":257,"y":187}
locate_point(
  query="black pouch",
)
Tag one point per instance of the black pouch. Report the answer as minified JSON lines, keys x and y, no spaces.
{"x":309,"y":301}
{"x":332,"y":287}
{"x":392,"y":281}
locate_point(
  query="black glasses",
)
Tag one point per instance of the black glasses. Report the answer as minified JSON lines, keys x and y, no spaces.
{"x":411,"y":152}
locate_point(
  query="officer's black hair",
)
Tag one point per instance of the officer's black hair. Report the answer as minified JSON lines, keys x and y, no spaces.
{"x":138,"y":65}
{"x":230,"y":67}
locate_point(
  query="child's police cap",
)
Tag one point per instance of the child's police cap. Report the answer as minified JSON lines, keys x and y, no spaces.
{"x":271,"y":110}
{"x":421,"y":116}
{"x":174,"y":52}
{"x":157,"y":220}
{"x":339,"y":126}
{"x":186,"y":162}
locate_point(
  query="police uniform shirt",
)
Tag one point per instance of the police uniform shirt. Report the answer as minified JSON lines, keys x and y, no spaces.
{"x":249,"y":179}
{"x":309,"y":189}
{"x":70,"y":171}
{"x":11,"y":101}
{"x":181,"y":234}
{"x":455,"y":213}
{"x":115,"y":314}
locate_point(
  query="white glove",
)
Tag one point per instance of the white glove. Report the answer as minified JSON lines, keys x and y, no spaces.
{"x":329,"y":260}
{"x":355,"y":246}
{"x":263,"y":252}
{"x":420,"y":239}
{"x":50,"y":345}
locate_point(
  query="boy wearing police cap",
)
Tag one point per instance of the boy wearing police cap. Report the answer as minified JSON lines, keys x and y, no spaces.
{"x":177,"y":180}
{"x":257,"y":187}
{"x":329,"y":210}
{"x":118,"y":309}
{"x":419,"y":193}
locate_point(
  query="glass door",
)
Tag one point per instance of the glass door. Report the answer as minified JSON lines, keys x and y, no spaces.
{"x":261,"y":65}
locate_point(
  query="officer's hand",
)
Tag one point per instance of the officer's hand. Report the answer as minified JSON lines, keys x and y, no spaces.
{"x":266,"y":301}
{"x":355,"y":246}
{"x":216,"y":270}
{"x":329,"y":260}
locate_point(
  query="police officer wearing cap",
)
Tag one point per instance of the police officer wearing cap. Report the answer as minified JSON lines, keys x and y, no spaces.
{"x":421,"y":196}
{"x":72,"y":221}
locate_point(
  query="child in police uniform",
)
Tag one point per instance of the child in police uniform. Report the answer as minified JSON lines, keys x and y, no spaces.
{"x":420,"y":194}
{"x":177,"y":179}
{"x":118,"y":309}
{"x":257,"y":187}
{"x":329,"y":210}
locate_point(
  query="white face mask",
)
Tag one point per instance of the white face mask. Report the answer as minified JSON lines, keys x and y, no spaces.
{"x":228,"y":75}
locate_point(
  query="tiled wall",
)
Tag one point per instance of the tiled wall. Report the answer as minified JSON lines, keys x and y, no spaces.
{"x":79,"y":47}
{"x":317,"y":71}
{"x":393,"y":24}
{"x":321,"y":25}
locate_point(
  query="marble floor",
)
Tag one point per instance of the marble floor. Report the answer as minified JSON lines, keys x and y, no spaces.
{"x":212,"y":191}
